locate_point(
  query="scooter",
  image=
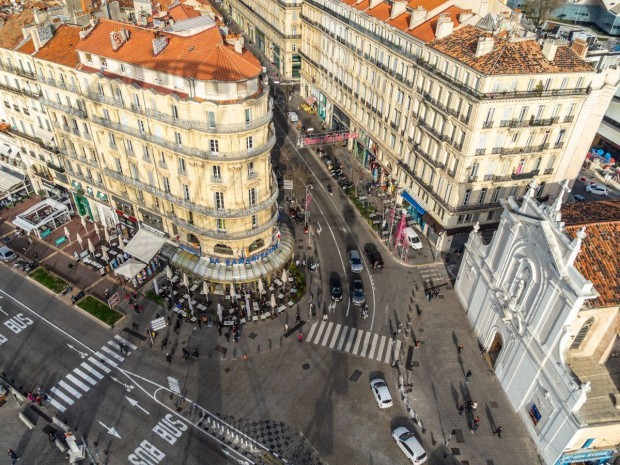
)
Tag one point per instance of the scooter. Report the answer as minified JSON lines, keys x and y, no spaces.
{"x":329,"y":189}
{"x":66,"y":290}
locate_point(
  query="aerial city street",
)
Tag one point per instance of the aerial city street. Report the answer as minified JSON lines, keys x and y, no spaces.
{"x":309,"y":232}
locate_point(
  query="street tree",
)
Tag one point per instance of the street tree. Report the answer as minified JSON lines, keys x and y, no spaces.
{"x":539,"y":10}
{"x":293,"y":171}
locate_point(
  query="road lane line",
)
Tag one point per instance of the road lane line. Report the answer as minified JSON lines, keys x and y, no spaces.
{"x":112,"y":353}
{"x":364,"y":347}
{"x":125,"y":341}
{"x":373,"y":346}
{"x":312,"y":328}
{"x":350,"y":340}
{"x":57,"y":406}
{"x":84,"y":376}
{"x":388,"y":351}
{"x":380,"y":352}
{"x":343,"y":338}
{"x":69,"y":389}
{"x":78,"y":383}
{"x":327,"y":331}
{"x":92,"y":371}
{"x":105,"y":359}
{"x":335,"y":338}
{"x":98,"y":364}
{"x":58,"y":393}
{"x":360,"y":336}
{"x":318,"y":333}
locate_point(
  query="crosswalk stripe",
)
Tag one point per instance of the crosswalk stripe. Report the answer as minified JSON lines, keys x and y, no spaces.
{"x":113,"y":354}
{"x":84,"y":376}
{"x":69,"y":389}
{"x":364,"y":346}
{"x":336,"y":334}
{"x":98,"y":364}
{"x":57,"y":406}
{"x":78,"y":383}
{"x":116,"y":345}
{"x":373,"y":346}
{"x":327,"y":332}
{"x":92,"y":371}
{"x":388,"y":351}
{"x":105,"y":359}
{"x":360,"y":335}
{"x":131,"y":346}
{"x":312,"y":331}
{"x":397,"y":349}
{"x":380,"y":352}
{"x":350,"y":339}
{"x":58,"y":393}
{"x":342,"y":338}
{"x":319,"y":332}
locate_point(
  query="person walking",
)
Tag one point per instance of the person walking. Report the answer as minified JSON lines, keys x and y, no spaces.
{"x":475,"y":424}
{"x":13,"y":456}
{"x":461,"y":409}
{"x":498,"y":431}
{"x":286,"y":327}
{"x":51,"y":437}
{"x":168,"y":357}
{"x":467,"y":376}
{"x":195,"y":352}
{"x":459,"y":348}
{"x":300,"y":337}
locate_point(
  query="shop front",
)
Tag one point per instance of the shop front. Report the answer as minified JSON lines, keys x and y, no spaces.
{"x":127,"y":221}
{"x":413,"y":208}
{"x":322,"y":112}
{"x":587,"y":457}
{"x":340,"y":121}
{"x":82,"y":205}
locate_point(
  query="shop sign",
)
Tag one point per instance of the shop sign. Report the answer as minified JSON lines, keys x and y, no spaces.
{"x":126,"y":216}
{"x":585,"y":456}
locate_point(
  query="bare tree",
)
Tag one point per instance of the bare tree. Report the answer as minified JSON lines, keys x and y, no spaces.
{"x":538,"y":10}
{"x":292,"y":171}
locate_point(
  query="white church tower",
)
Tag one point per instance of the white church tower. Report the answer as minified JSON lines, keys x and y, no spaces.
{"x":522,"y":293}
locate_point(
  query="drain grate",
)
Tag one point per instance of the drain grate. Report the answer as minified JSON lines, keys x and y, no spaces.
{"x":306,"y":366}
{"x":494,"y":404}
{"x":221,"y":349}
{"x":490,"y":462}
{"x":415,"y":364}
{"x":455,"y":451}
{"x":458,"y":433}
{"x":440,"y":296}
{"x":252,"y":335}
{"x":227,"y":370}
{"x":421,"y":330}
{"x":355,"y":376}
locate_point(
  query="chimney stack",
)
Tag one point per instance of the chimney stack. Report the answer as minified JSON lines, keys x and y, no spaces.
{"x":445,"y":26}
{"x":485,"y":46}
{"x":580,"y":47}
{"x":549,"y":49}
{"x":398,"y":8}
{"x":374,"y":3}
{"x":418,"y":16}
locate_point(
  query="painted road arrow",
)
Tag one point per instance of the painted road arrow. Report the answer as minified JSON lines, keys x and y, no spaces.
{"x":111,"y":430}
{"x":134,"y":403}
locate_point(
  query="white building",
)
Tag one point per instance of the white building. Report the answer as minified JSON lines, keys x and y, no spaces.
{"x":530,"y":298}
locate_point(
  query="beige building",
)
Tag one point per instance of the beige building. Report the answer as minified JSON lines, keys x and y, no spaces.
{"x":169,"y":131}
{"x":275,"y":28}
{"x":455,"y":107}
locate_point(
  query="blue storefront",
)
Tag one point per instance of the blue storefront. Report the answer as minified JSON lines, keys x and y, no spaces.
{"x":590,"y":457}
{"x":413,"y":208}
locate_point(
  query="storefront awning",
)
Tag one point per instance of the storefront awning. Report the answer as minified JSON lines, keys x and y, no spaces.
{"x":407,"y":196}
{"x":130,"y":268}
{"x":311,"y":100}
{"x":144,"y":245}
{"x":8,"y":182}
{"x":432,"y":223}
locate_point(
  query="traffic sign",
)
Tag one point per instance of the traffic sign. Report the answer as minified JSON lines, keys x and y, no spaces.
{"x":114,"y":300}
{"x":159,"y":323}
{"x":288,"y":184}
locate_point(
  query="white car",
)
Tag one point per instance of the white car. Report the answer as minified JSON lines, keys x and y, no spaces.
{"x":292,"y":117}
{"x":410,"y":446}
{"x":413,"y":238}
{"x":6,"y":254}
{"x":596,"y":189}
{"x":380,"y":390}
{"x":355,"y":260}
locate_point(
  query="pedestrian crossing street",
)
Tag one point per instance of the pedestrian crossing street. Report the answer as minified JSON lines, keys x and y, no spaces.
{"x":88,"y":374}
{"x":354,"y":341}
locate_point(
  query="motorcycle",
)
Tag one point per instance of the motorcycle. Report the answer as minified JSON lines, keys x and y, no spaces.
{"x":329,"y":189}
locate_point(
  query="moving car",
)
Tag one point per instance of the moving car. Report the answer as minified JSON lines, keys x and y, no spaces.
{"x":355,"y":261}
{"x":6,"y":254}
{"x":292,"y":117}
{"x":374,"y":256}
{"x":380,"y":390}
{"x":357,"y":294}
{"x":596,"y":189}
{"x":335,"y":287}
{"x":579,"y":198}
{"x":413,"y":238}
{"x":410,"y":446}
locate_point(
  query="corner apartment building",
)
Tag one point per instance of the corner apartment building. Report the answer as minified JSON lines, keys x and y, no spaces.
{"x":164,"y":130}
{"x":275,"y":27}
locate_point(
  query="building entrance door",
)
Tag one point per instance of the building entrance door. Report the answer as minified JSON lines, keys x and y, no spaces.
{"x":495,"y":349}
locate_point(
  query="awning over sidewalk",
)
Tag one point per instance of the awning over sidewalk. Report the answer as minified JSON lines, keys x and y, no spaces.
{"x":144,"y":245}
{"x":9,"y":184}
{"x":130,"y":268}
{"x":311,"y":100}
{"x":47,"y":214}
{"x":407,"y":196}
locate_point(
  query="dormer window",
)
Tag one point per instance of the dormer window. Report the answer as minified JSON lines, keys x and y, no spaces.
{"x":89,"y":58}
{"x":104,"y":63}
{"x":122,"y":67}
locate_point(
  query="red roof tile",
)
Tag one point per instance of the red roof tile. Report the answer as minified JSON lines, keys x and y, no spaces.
{"x":12,"y":29}
{"x":426,"y":30}
{"x":180,"y":12}
{"x":203,"y":56}
{"x":27,"y":47}
{"x":61,"y":48}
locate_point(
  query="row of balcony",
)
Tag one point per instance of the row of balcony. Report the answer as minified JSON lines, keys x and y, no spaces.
{"x":436,"y":163}
{"x":268,"y":23}
{"x":213,"y":212}
{"x":17,"y":70}
{"x":62,"y":107}
{"x":16,"y":132}
{"x":443,"y":108}
{"x":519,"y":150}
{"x":16,"y":90}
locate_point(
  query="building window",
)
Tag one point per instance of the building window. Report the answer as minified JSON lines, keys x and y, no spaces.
{"x":581,"y":335}
{"x":491,"y":215}
{"x":219,"y":200}
{"x":182,"y":166}
{"x":112,"y":140}
{"x":145,"y":153}
{"x":222,"y":249}
{"x":217,"y":173}
{"x":175,"y":112}
{"x":89,"y":58}
{"x":211,"y":119}
{"x":134,"y":171}
{"x":185,"y":191}
{"x":104,"y":63}
{"x":214,"y":145}
{"x":122,"y":67}
{"x":252,"y":196}
{"x":248,"y":116}
{"x":221,"y":227}
{"x":496,"y":193}
{"x":254,"y":223}
{"x":257,"y":244}
{"x":249,"y":142}
{"x":483,"y":194}
{"x":177,"y":138}
{"x":467,"y":196}
{"x":251,"y":171}
{"x":119,"y":166}
{"x":141,"y":125}
{"x":166,"y":182}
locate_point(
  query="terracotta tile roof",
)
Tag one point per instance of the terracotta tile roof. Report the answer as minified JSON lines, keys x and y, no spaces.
{"x":426,"y":31}
{"x":125,"y":3}
{"x":203,"y":56}
{"x":61,"y":48}
{"x":518,"y":57}
{"x":599,"y":260}
{"x":180,"y":12}
{"x":26,"y":47}
{"x":11,"y":35}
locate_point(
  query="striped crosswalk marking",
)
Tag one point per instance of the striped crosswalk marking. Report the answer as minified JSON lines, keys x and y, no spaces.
{"x":342,"y":339}
{"x":373,"y":345}
{"x":59,"y":394}
{"x":56,"y":405}
{"x":116,"y":345}
{"x":380,"y":351}
{"x":329,"y":328}
{"x":319,"y":332}
{"x":113,"y":354}
{"x":98,"y":364}
{"x":78,"y":383}
{"x":91,"y":370}
{"x":388,"y":352}
{"x":397,"y":349}
{"x":312,"y":331}
{"x":350,"y":340}
{"x":105,"y":359}
{"x":69,"y":389}
{"x":335,"y":338}
{"x":84,"y":376}
{"x":125,"y":341}
{"x":364,"y":347}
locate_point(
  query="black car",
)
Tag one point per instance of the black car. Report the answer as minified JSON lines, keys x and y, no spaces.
{"x":335,"y":287}
{"x":374,"y":256}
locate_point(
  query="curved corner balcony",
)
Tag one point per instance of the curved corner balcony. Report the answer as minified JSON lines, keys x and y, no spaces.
{"x":215,"y":128}
{"x":213,"y":212}
{"x":262,"y":265}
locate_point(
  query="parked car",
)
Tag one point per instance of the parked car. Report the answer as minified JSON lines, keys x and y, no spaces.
{"x":374,"y":256}
{"x":579,"y":198}
{"x":410,"y":446}
{"x":355,"y":261}
{"x":413,"y":238}
{"x":6,"y":254}
{"x":335,"y":286}
{"x":380,"y":390}
{"x":596,"y":189}
{"x":292,"y":117}
{"x":357,"y":293}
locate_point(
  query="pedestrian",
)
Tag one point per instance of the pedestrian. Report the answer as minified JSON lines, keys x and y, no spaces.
{"x":400,"y":328}
{"x":157,"y":315}
{"x":51,"y":437}
{"x":219,"y":328}
{"x":286,"y":327}
{"x":195,"y":352}
{"x":168,"y":357}
{"x":30,"y":241}
{"x":498,"y":431}
{"x":429,"y":295}
{"x":135,"y":326}
{"x":459,"y":348}
{"x":298,"y":318}
{"x":300,"y":337}
{"x":185,"y":353}
{"x":475,"y":424}
{"x":227,"y":334}
{"x":473,"y":405}
{"x":461,"y":409}
{"x":436,"y":293}
{"x":467,"y":376}
{"x":36,"y":256}
{"x":120,"y":347}
{"x":13,"y":456}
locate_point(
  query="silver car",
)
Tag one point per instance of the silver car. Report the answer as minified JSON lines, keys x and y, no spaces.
{"x":381,"y":392}
{"x":410,"y":446}
{"x":6,"y":254}
{"x":355,"y":260}
{"x":357,"y":293}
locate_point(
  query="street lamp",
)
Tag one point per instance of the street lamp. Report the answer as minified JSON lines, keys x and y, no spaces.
{"x":307,"y":204}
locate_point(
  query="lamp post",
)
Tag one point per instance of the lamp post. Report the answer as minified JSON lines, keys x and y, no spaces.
{"x":307,"y":204}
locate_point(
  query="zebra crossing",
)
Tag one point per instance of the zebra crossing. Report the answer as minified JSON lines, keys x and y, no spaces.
{"x":71,"y":388}
{"x":354,"y":341}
